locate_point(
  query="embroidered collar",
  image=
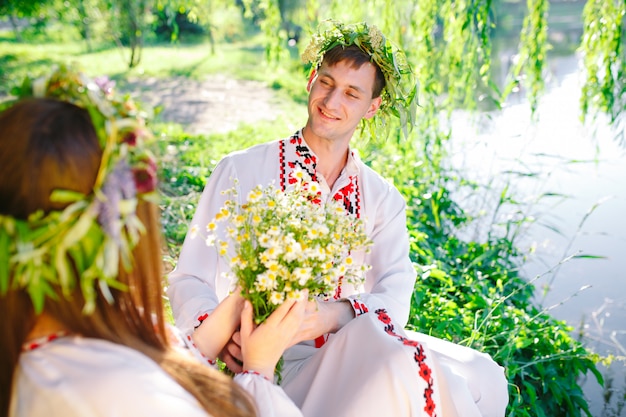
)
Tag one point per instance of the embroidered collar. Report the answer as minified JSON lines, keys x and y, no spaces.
{"x":44,"y":340}
{"x":295,"y":153}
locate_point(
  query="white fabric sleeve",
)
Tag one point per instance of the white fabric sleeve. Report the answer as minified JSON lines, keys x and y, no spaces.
{"x":194,"y":285}
{"x":83,"y":377}
{"x":390,"y":283}
{"x":270,"y":399}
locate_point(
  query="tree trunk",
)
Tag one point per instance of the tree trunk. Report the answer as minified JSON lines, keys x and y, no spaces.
{"x":134,"y":12}
{"x":84,"y":25}
{"x":16,"y":28}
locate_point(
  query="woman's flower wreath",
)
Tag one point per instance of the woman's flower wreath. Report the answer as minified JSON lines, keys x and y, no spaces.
{"x":84,"y":244}
{"x":399,"y":97}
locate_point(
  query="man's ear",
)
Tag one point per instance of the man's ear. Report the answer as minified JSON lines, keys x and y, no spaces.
{"x":374,"y":105}
{"x":311,"y":79}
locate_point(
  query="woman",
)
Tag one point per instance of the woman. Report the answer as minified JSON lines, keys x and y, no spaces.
{"x":81,"y":299}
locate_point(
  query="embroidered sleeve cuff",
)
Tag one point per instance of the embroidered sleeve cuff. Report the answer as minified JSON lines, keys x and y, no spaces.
{"x":358,"y":305}
{"x":200,"y":319}
{"x":191,"y":346}
{"x":251,"y":372}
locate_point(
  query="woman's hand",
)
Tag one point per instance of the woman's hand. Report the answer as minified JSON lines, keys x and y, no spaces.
{"x":263,"y":345}
{"x":219,"y":327}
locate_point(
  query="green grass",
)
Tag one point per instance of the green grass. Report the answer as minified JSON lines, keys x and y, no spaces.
{"x":244,"y":60}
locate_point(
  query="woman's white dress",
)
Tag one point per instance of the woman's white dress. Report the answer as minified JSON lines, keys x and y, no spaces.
{"x":74,"y":376}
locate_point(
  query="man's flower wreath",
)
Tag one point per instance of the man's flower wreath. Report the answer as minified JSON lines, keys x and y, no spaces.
{"x":84,"y":244}
{"x":399,"y":97}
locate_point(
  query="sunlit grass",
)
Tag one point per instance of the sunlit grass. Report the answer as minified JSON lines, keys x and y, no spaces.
{"x":243,"y":60}
{"x":159,"y":60}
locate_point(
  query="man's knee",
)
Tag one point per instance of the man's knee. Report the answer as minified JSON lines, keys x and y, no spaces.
{"x":494,"y":388}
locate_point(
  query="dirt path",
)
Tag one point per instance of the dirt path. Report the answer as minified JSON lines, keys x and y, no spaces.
{"x":214,"y":105}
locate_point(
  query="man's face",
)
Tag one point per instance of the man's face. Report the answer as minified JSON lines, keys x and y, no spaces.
{"x":339,"y":97}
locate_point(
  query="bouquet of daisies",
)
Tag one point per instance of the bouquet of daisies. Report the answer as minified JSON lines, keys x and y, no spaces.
{"x":279,"y":243}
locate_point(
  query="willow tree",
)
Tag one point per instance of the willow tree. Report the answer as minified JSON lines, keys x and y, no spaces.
{"x":604,"y":59}
{"x":451,"y":48}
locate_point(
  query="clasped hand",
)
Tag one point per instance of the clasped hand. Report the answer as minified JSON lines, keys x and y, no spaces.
{"x":317,"y":318}
{"x":230,"y":334}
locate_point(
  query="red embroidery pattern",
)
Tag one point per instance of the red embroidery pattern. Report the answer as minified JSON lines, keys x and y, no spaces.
{"x":201,"y":319}
{"x":255,"y":373}
{"x":306,"y":160}
{"x":337,"y":295}
{"x":281,"y":161}
{"x":320,"y":340}
{"x":192,"y":346}
{"x":41,"y":341}
{"x":420,"y":357}
{"x":346,"y":194}
{"x":359,"y":308}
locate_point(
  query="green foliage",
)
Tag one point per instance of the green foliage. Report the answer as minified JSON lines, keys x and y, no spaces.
{"x":20,"y":8}
{"x":85,"y":17}
{"x":267,"y":14}
{"x":240,"y":60}
{"x":604,"y":58}
{"x":529,"y":70}
{"x":190,"y":20}
{"x":467,"y":58}
{"x":171,"y":23}
{"x":449,"y":43}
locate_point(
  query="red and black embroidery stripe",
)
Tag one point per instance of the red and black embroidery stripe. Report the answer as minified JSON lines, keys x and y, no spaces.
{"x":306,"y":160}
{"x":359,"y":308}
{"x":425,"y":372}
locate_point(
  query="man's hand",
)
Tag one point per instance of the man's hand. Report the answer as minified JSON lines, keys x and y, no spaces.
{"x":323,"y":317}
{"x":231,"y":354}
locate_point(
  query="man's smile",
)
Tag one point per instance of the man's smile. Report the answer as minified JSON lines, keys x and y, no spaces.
{"x":328,"y":115}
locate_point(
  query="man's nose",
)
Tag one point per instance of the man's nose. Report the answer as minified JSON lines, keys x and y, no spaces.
{"x":333,"y":98}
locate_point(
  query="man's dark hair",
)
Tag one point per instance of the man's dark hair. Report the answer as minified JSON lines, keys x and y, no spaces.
{"x":356,"y":57}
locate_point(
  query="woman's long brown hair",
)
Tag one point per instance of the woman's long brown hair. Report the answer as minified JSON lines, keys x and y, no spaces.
{"x":47,"y":144}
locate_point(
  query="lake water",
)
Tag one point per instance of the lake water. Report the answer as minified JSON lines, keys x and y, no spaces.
{"x":588,"y":166}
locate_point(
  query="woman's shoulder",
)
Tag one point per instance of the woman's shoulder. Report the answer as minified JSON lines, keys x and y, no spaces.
{"x":93,"y":377}
{"x":74,"y":354}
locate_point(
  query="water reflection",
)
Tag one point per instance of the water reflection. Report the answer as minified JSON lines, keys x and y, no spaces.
{"x":585,"y":169}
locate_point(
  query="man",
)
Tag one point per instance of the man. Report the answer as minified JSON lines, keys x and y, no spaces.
{"x":352,"y":355}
